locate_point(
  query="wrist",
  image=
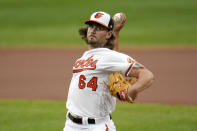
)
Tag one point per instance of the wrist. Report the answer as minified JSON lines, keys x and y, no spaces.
{"x":132,"y":92}
{"x":116,"y":32}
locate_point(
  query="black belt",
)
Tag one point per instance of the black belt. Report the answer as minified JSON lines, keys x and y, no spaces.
{"x":78,"y":120}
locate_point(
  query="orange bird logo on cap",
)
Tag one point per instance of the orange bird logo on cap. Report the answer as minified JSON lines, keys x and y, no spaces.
{"x":98,"y":15}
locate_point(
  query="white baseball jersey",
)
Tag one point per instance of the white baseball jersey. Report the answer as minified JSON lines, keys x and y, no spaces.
{"x":88,"y":94}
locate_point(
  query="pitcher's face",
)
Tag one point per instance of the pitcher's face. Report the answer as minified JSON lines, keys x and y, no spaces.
{"x":98,"y":34}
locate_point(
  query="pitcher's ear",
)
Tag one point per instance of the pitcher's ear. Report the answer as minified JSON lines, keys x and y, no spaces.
{"x":109,"y":34}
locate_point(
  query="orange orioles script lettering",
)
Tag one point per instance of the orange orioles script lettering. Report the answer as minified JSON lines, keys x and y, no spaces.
{"x":82,"y":65}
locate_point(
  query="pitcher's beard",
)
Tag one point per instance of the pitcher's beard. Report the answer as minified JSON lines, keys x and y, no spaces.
{"x":94,"y":44}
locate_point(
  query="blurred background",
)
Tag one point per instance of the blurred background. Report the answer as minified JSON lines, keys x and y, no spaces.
{"x":39,"y":42}
{"x":49,"y":23}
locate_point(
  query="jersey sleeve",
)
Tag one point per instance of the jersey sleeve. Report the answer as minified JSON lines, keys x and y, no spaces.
{"x":119,"y":62}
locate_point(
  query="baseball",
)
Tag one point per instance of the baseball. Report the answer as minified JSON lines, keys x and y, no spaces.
{"x":117,"y":17}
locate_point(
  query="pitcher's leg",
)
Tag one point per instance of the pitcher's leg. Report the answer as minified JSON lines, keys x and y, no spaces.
{"x":70,"y":126}
{"x":104,"y":126}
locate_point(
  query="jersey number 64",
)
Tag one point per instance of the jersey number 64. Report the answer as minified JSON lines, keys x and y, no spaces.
{"x":91,"y":84}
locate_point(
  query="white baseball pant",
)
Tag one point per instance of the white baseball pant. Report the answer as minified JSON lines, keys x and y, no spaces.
{"x":103,"y":124}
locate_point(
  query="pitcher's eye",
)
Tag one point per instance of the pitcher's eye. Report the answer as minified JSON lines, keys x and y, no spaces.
{"x":100,"y":28}
{"x":91,"y":26}
{"x":97,"y":28}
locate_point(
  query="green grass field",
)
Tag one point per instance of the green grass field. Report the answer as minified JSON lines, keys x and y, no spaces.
{"x":37,"y":115}
{"x":49,"y":23}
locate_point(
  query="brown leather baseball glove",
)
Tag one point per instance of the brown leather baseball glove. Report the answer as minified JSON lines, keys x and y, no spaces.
{"x":118,"y":87}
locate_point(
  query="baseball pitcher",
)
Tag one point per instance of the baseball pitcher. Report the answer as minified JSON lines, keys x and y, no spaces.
{"x":102,"y":75}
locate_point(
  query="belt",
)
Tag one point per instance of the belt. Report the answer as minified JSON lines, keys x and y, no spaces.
{"x":78,"y":120}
